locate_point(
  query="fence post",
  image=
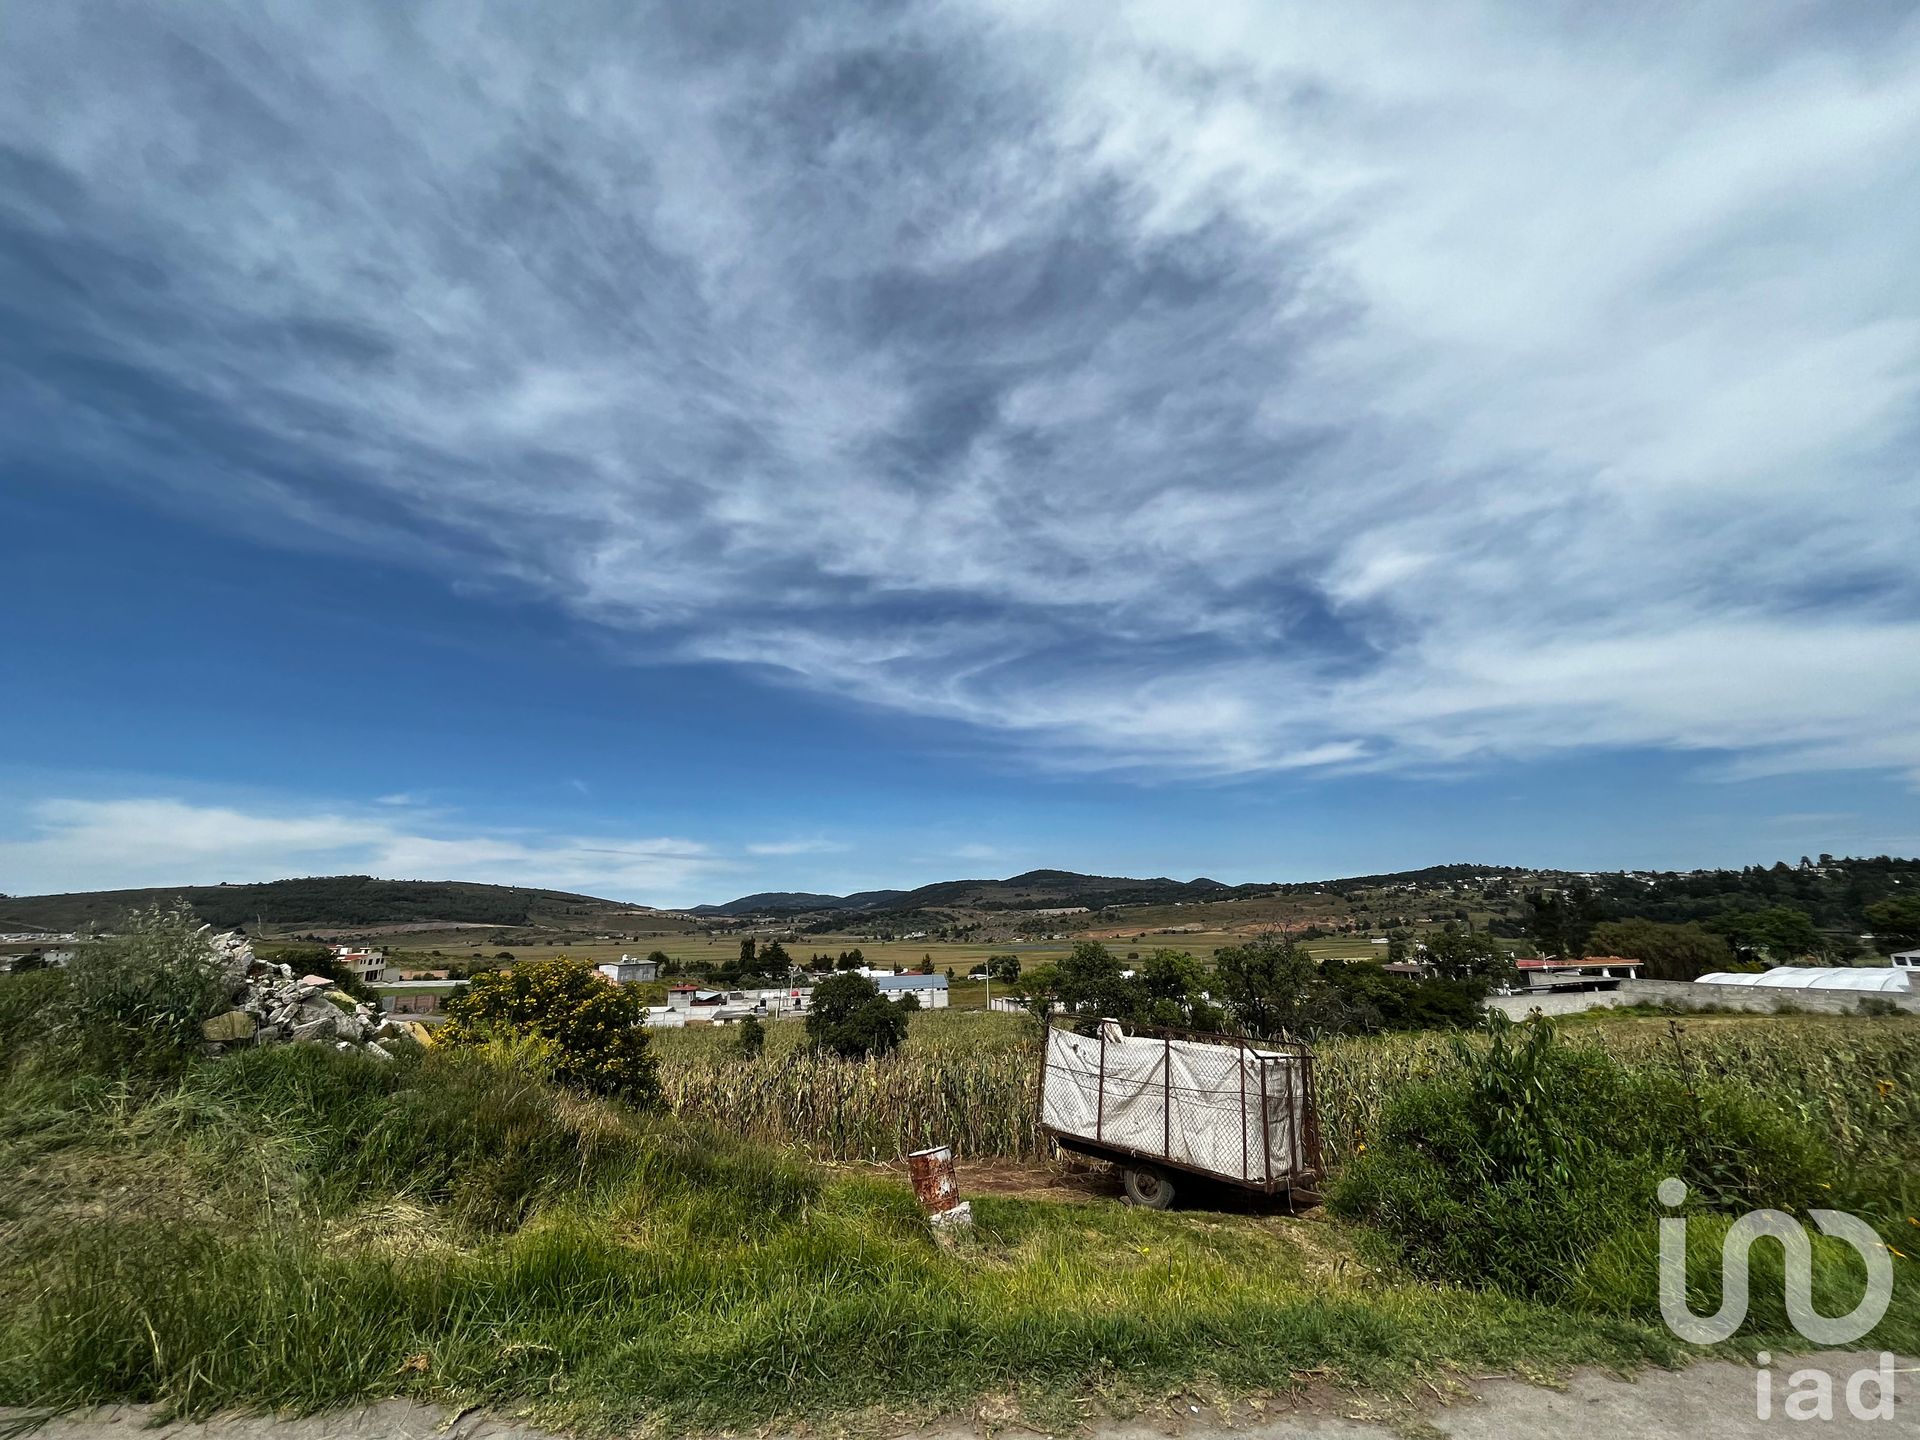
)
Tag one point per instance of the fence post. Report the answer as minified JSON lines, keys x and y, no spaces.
{"x":1266,"y":1135}
{"x":1100,"y":1091}
{"x":1166,"y":1082}
{"x":1242,"y":1059}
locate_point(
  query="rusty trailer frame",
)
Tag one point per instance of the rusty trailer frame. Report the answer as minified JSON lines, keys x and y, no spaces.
{"x":1301,"y":1181}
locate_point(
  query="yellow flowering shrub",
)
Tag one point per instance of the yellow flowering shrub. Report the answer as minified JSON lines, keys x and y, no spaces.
{"x":593,"y":1031}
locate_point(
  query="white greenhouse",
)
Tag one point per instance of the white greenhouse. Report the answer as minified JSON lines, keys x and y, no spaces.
{"x":1868,"y":979}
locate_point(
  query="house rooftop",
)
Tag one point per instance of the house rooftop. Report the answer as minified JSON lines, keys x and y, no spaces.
{"x":1589,"y":962}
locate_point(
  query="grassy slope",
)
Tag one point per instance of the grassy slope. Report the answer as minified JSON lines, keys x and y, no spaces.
{"x":299,"y":1228}
{"x":454,"y":1232}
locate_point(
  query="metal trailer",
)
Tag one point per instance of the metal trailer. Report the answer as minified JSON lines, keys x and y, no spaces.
{"x":1205,"y":1089}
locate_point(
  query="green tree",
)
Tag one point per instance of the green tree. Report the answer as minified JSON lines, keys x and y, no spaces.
{"x":1665,"y":952}
{"x":746,"y":953}
{"x":1895,"y":923}
{"x":1172,"y":992}
{"x":1457,"y":954}
{"x":1089,"y":980}
{"x":1561,"y":921}
{"x":1037,"y":993}
{"x":594,"y":1029}
{"x":851,"y":1018}
{"x":1266,"y":985}
{"x":1004,"y":968}
{"x":1780,"y":933}
{"x":752,"y":1038}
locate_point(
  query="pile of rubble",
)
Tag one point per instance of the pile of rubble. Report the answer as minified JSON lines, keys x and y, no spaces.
{"x":271,"y":1007}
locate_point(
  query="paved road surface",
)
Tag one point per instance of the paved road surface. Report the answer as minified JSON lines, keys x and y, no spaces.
{"x":1711,"y":1401}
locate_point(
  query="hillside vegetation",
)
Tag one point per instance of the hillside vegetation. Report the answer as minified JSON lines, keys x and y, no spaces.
{"x":299,"y":1227}
{"x":321,"y":902}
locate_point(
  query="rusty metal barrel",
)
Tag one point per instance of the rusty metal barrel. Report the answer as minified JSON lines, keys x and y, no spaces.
{"x":933,"y":1184}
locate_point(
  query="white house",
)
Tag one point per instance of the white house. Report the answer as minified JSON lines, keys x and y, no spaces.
{"x":627,"y":970}
{"x":930,"y":990}
{"x":367,"y":965}
{"x":1905,"y":960}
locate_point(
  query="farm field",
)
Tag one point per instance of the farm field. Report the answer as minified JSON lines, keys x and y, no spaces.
{"x":962,"y":957}
{"x":299,"y":1228}
{"x":700,"y":951}
{"x":971,"y":1080}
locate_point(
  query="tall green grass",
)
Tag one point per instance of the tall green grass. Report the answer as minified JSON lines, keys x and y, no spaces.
{"x":973,"y":1081}
{"x":300,"y":1228}
{"x":453,"y":1229}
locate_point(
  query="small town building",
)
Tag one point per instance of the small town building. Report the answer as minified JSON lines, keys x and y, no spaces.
{"x":628,"y":971}
{"x":364,"y":964}
{"x":930,"y":990}
{"x":417,"y":998}
{"x":1591,"y":967}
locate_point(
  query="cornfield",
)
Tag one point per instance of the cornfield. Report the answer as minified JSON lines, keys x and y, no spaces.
{"x":972,"y":1081}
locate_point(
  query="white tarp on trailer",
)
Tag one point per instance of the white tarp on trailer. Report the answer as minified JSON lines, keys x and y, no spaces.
{"x":1193,"y":1102}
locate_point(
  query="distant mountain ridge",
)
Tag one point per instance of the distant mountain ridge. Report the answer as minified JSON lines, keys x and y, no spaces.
{"x":1034,"y":890}
{"x":773,"y":902}
{"x":1834,"y":892}
{"x":325,"y":901}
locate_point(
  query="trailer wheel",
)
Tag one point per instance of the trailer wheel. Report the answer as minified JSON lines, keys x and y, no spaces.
{"x":1150,"y":1188}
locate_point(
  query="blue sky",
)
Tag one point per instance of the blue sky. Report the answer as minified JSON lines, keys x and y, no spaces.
{"x":673,"y":451}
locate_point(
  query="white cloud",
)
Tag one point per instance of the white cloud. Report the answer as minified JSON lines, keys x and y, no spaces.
{"x":130,"y":843}
{"x":814,"y":845}
{"x":1216,"y":392}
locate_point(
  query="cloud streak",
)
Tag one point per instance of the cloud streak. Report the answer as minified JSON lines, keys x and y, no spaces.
{"x":138,"y":842}
{"x":1220,"y":394}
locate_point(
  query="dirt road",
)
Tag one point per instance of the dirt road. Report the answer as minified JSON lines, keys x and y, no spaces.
{"x":1716,"y":1400}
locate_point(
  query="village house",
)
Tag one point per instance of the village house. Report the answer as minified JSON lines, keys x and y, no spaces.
{"x":628,"y":971}
{"x":416,"y":998}
{"x":364,"y":964}
{"x":1593,"y":972}
{"x":929,"y":990}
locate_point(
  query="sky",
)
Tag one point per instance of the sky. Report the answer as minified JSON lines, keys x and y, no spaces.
{"x":673,"y":451}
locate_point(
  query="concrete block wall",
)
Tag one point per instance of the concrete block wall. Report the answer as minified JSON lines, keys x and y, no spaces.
{"x":1758,"y":999}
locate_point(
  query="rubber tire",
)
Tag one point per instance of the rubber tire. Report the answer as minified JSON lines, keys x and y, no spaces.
{"x":1148,"y":1187}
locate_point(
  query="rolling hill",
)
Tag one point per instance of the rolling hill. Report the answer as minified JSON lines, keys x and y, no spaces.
{"x":778,"y":902}
{"x":321,"y":902}
{"x":1035,"y":890}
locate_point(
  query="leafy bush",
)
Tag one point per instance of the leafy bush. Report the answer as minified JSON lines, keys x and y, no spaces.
{"x":753,"y":1038}
{"x":29,"y":1002}
{"x":1531,"y":1154}
{"x":139,"y":997}
{"x":595,"y":1029}
{"x":850,"y":1017}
